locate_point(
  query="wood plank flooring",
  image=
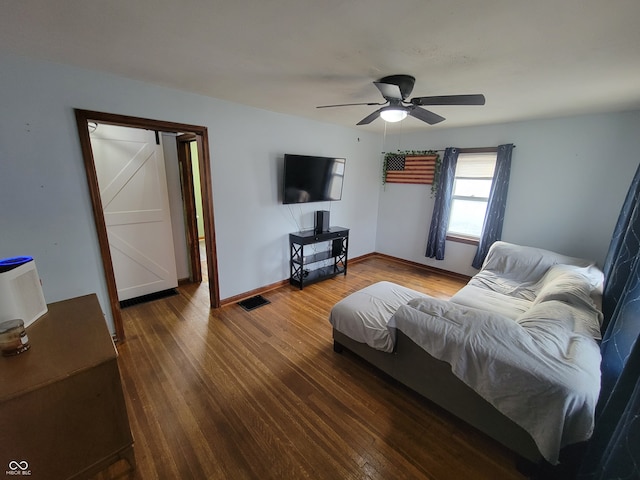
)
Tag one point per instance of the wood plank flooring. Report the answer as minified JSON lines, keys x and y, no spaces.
{"x":231,"y":394}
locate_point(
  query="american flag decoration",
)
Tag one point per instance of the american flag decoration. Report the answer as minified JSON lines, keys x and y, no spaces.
{"x":418,"y":169}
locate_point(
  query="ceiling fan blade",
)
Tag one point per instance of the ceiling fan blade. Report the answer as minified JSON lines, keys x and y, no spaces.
{"x":476,"y":99}
{"x":389,"y":91}
{"x":425,"y":115}
{"x":349,"y":104}
{"x":370,"y":118}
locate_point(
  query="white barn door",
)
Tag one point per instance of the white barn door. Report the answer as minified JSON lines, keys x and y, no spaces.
{"x":133,"y":188}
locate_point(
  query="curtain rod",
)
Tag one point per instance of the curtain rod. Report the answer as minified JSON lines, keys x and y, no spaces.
{"x":465,"y":150}
{"x":472,"y":150}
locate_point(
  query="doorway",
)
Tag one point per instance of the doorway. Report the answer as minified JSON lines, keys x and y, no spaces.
{"x":189,"y":167}
{"x":197,"y":134}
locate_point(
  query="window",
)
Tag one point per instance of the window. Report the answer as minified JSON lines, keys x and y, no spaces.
{"x":471,"y":187}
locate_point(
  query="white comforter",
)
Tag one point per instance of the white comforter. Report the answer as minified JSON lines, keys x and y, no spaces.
{"x":364,"y":315}
{"x":522,"y":334}
{"x":536,"y":371}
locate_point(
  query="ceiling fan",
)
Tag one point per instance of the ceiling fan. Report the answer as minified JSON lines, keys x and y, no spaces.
{"x":395,"y":89}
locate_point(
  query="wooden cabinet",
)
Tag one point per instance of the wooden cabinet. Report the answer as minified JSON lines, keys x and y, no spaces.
{"x":62,"y":409}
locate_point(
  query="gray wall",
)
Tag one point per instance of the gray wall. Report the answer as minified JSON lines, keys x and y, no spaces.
{"x":44,"y":200}
{"x":569,"y":177}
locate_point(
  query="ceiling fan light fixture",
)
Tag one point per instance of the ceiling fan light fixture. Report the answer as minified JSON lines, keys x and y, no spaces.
{"x":393,"y":114}
{"x":395,"y":89}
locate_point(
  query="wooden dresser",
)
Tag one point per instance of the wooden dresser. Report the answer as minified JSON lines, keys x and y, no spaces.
{"x":62,"y":410}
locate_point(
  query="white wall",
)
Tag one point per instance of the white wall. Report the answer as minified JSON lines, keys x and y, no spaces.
{"x":569,"y":177}
{"x":45,"y":207}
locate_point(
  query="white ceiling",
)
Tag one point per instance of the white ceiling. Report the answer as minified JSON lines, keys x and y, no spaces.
{"x":530,"y":58}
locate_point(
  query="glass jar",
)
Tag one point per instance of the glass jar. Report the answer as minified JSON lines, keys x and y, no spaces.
{"x":13,"y":337}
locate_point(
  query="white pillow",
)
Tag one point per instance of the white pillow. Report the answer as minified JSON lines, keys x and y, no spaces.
{"x":552,"y":314}
{"x":573,"y":285}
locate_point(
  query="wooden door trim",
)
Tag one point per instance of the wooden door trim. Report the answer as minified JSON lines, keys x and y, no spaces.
{"x":83,"y":117}
{"x":188,"y":194}
{"x":206,"y":192}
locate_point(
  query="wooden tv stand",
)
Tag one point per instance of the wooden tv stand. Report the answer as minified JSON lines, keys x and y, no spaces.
{"x":62,"y":409}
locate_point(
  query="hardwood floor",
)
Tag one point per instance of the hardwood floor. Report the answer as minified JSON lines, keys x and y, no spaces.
{"x":231,"y":394}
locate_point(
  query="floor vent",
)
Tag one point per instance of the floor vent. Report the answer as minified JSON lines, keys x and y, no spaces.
{"x":253,"y":302}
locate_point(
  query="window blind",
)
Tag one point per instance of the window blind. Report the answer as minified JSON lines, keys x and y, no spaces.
{"x":476,"y":165}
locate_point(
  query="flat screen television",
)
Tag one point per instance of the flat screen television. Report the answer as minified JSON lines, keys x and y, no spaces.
{"x":312,"y":179}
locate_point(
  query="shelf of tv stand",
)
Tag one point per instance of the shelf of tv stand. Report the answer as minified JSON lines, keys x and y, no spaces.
{"x":304,"y":269}
{"x":315,"y":258}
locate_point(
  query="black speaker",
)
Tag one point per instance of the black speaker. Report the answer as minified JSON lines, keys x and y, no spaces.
{"x":322,"y":221}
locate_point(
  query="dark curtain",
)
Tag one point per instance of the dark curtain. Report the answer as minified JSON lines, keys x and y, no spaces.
{"x":614,"y":449}
{"x":621,"y":297}
{"x":622,"y":251}
{"x":494,"y":217}
{"x":442,"y":206}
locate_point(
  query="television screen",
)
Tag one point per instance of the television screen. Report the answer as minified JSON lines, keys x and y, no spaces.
{"x":312,"y":179}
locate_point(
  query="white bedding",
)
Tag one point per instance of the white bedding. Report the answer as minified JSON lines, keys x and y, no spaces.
{"x":484,"y":299}
{"x":541,"y":373}
{"x":363,"y":315}
{"x":522,"y":334}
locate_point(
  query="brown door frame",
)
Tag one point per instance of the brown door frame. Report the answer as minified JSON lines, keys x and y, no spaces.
{"x":188,"y":194}
{"x":83,"y":117}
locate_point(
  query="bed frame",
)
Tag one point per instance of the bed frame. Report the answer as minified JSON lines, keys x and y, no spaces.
{"x":415,"y":368}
